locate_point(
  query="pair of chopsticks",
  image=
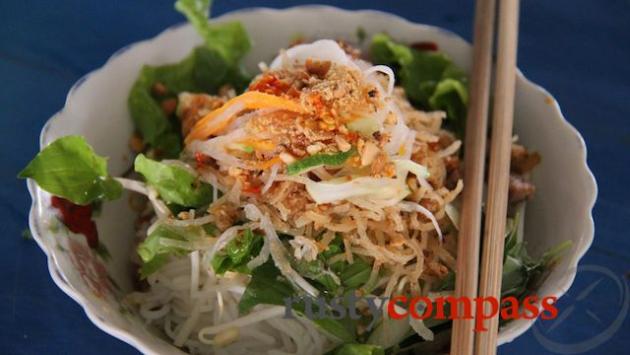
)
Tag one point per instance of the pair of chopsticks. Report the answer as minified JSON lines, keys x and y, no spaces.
{"x":464,"y":339}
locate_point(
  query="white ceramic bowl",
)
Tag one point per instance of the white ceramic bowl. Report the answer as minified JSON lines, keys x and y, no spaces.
{"x":96,"y":107}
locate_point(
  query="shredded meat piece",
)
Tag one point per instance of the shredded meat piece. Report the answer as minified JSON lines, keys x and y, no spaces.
{"x":453,"y":171}
{"x":445,"y":139}
{"x":225,"y":215}
{"x":520,"y":189}
{"x":523,"y":161}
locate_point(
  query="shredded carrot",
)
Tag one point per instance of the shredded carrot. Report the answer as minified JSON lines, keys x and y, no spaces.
{"x":260,"y":145}
{"x":250,"y":100}
{"x":264,"y":165}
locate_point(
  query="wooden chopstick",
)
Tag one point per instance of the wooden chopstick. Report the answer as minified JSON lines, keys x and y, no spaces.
{"x":474,"y":161}
{"x":499,"y":170}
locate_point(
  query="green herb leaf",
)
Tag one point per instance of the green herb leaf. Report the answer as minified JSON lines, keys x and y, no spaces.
{"x":521,"y":273}
{"x":359,"y":349}
{"x":154,"y":251}
{"x":268,"y":286}
{"x":430,"y":79}
{"x":317,"y":160}
{"x":385,"y":51}
{"x":451,"y":95}
{"x":156,"y":129}
{"x":69,"y":168}
{"x":315,"y":270}
{"x":237,"y":253}
{"x":153,"y":245}
{"x":174,"y":184}
{"x":356,"y":274}
{"x":334,"y":247}
{"x":230,"y":38}
{"x":206,"y":69}
{"x":153,"y":265}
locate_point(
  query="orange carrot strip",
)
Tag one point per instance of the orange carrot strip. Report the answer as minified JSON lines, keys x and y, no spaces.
{"x":250,"y":100}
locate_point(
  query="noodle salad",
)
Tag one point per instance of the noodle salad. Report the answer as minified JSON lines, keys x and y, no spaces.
{"x":330,"y":172}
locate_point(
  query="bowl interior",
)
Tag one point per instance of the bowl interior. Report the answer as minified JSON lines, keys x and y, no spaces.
{"x":96,"y":108}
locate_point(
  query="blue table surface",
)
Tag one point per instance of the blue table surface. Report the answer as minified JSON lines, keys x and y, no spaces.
{"x":578,"y":49}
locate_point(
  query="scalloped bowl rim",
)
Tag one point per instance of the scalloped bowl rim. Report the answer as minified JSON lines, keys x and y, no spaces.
{"x":58,"y":275}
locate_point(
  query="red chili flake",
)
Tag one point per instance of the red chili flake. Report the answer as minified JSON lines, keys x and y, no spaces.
{"x":78,"y":219}
{"x":255,"y":190}
{"x":425,"y":46}
{"x":352,"y":137}
{"x":202,"y":160}
{"x":318,"y":104}
{"x":270,"y":84}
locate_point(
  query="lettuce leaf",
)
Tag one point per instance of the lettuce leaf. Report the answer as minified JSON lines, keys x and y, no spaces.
{"x":70,"y":168}
{"x":430,"y":79}
{"x":237,"y":253}
{"x":154,"y":253}
{"x":206,"y":69}
{"x":451,"y":96}
{"x":155,"y":127}
{"x":229,"y":39}
{"x":174,"y":184}
{"x":148,"y":268}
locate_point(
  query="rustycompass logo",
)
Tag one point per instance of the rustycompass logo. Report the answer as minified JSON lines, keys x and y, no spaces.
{"x":421,"y":308}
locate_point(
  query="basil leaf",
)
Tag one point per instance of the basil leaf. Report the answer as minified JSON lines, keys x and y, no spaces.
{"x":174,"y":184}
{"x":237,"y":253}
{"x":267,"y":286}
{"x":317,"y":160}
{"x":70,"y":168}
